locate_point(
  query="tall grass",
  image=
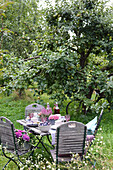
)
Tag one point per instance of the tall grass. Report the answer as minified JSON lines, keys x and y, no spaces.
{"x":14,"y":108}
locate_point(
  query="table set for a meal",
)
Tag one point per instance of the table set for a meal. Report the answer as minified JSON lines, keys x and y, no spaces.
{"x":44,"y":123}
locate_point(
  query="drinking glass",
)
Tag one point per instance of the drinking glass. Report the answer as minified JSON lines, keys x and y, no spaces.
{"x":43,"y":119}
{"x":67,"y":117}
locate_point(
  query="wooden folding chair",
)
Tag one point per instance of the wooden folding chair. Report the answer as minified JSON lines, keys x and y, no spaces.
{"x":9,"y":141}
{"x":70,"y":138}
{"x":98,"y":122}
{"x":90,"y":138}
{"x":33,"y":108}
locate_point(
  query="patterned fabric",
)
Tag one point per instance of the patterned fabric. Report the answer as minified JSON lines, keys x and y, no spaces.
{"x":91,"y":126}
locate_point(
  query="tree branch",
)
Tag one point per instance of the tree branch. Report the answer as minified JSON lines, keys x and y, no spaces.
{"x":110,"y":75}
{"x":89,"y":51}
{"x":31,"y":58}
{"x":108,"y":67}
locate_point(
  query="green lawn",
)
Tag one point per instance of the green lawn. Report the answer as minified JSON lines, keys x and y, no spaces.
{"x":14,"y":108}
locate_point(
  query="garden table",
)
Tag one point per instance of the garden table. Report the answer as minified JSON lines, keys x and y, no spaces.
{"x":39,"y":134}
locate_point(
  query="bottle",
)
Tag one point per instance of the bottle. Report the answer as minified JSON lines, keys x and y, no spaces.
{"x":48,"y":107}
{"x":56,"y":110}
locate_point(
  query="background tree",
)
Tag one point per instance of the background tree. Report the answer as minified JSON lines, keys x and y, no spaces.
{"x":22,"y":44}
{"x":3,"y":7}
{"x":67,"y":52}
{"x":79,"y":50}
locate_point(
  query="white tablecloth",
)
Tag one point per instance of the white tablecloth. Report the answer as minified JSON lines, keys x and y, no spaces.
{"x":52,"y":131}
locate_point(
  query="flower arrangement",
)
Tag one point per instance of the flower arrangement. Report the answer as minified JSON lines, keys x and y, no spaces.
{"x":45,"y":113}
{"x":53,"y":117}
{"x":22,"y":136}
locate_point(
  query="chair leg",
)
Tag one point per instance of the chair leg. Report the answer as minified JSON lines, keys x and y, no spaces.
{"x":10,"y":159}
{"x":6,"y":164}
{"x":93,"y":165}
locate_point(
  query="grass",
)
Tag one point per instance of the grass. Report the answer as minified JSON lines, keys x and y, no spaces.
{"x":14,"y":108}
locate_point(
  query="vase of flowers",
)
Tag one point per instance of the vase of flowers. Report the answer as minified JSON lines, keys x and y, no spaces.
{"x":44,"y":114}
{"x":23,"y":139}
{"x":52,"y":119}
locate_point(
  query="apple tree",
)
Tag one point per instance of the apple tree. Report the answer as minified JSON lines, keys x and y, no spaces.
{"x":78,"y":51}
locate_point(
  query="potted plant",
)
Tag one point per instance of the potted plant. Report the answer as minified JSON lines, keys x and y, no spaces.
{"x":52,"y":119}
{"x":44,"y":114}
{"x":23,"y":139}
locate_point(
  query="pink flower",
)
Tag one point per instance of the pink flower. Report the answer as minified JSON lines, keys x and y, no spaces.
{"x":55,"y":117}
{"x":39,"y":114}
{"x":49,"y":111}
{"x":26,"y":137}
{"x":18,"y":134}
{"x":46,"y":112}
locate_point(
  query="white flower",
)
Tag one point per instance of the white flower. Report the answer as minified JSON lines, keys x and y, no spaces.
{"x":22,"y":168}
{"x":86,"y":157}
{"x":37,"y":166}
{"x":49,"y":166}
{"x":72,"y":159}
{"x":28,"y":161}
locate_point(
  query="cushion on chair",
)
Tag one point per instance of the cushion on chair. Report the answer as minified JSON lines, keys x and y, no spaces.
{"x":65,"y":155}
{"x":91,"y":126}
{"x":89,"y":138}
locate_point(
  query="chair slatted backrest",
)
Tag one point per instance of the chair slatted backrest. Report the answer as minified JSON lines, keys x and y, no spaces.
{"x":7,"y":137}
{"x":33,"y":108}
{"x":70,"y":138}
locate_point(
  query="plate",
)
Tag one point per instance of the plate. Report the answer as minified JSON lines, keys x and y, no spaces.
{"x":56,"y":125}
{"x":44,"y":128}
{"x":32,"y":125}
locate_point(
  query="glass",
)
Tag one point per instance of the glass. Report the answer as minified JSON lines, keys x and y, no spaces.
{"x":67,"y":117}
{"x":43,"y":119}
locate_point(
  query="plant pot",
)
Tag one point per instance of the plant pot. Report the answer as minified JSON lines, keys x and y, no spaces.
{"x":27,"y":146}
{"x":24,"y":146}
{"x":52,"y":121}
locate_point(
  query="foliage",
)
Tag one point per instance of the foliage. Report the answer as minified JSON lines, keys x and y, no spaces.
{"x":19,"y":45}
{"x":15,"y":110}
{"x":95,"y":153}
{"x":79,"y":37}
{"x":64,"y":50}
{"x":20,"y":19}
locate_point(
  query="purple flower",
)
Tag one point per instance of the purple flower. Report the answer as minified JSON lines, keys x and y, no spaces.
{"x":22,"y":131}
{"x":26,"y":137}
{"x":18,"y":134}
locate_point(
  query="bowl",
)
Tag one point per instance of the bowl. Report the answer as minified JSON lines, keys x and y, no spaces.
{"x":44,"y":128}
